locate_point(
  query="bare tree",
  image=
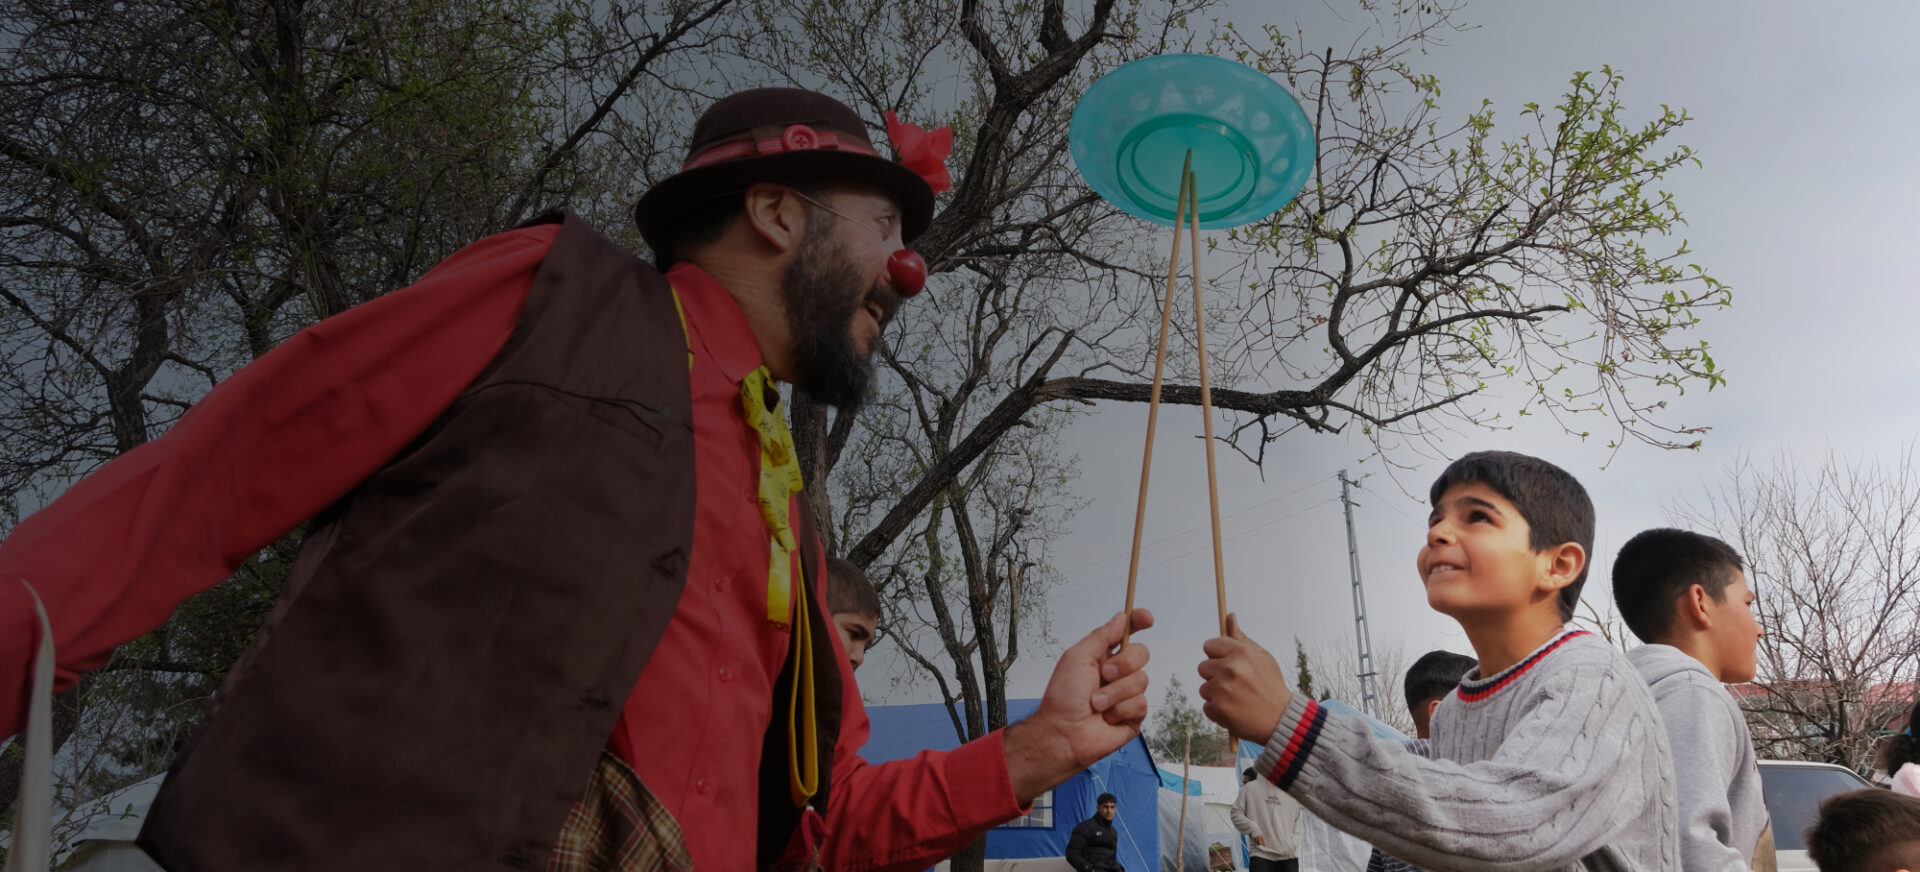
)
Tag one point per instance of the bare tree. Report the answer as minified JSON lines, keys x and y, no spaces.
{"x":969,"y":588}
{"x":1607,"y":625}
{"x":183,"y":185}
{"x":1833,"y":554}
{"x":226,"y":174}
{"x":1426,"y":259}
{"x":1429,"y":258}
{"x":1336,"y":669}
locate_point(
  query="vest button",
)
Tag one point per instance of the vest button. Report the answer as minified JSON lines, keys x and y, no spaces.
{"x":726,"y":673}
{"x":719,"y":582}
{"x":702,"y":786}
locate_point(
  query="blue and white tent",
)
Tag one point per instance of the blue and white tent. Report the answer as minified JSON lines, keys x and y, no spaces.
{"x":901,"y":731}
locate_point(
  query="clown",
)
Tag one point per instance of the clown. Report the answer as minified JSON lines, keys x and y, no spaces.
{"x":560,"y":602}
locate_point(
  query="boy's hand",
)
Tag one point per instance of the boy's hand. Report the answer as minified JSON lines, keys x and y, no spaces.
{"x":1242,"y":685}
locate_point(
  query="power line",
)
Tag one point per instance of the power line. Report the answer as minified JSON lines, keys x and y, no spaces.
{"x":1388,"y":501}
{"x":1204,"y":545}
{"x":1251,"y":511}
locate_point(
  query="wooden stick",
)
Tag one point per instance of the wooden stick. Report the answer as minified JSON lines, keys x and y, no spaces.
{"x":1206,"y":402}
{"x":1153,"y":399}
{"x":1186,"y":767}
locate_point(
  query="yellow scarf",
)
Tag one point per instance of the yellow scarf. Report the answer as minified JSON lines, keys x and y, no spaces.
{"x":779,"y":482}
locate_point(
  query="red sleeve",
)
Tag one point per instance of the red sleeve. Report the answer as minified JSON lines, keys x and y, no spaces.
{"x":909,"y":814}
{"x":265,"y":450}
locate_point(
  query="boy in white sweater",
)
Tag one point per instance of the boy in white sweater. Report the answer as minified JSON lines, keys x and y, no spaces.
{"x":1686,"y":596}
{"x":1549,"y":756}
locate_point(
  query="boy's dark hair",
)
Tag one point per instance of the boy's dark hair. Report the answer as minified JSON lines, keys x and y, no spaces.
{"x":1657,"y":567}
{"x":1435,"y":675}
{"x":1870,"y":830}
{"x":1106,"y":798}
{"x":1247,"y":775}
{"x":849,"y":591}
{"x":1902,"y":748}
{"x":1554,"y":505}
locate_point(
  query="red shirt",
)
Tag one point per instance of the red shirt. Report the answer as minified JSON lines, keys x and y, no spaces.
{"x":300,"y":427}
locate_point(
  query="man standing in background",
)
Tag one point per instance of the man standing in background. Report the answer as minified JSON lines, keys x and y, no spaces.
{"x":1271,"y":819}
{"x":1094,"y":846}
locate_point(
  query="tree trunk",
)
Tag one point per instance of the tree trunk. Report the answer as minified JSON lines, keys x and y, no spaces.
{"x":809,"y":419}
{"x":972,"y":858}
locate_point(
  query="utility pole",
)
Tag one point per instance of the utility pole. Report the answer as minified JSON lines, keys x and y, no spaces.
{"x":1369,"y":679}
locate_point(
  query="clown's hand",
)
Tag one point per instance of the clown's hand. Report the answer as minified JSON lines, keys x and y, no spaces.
{"x":1095,"y":703}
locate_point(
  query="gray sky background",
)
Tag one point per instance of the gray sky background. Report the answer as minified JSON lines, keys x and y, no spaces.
{"x":1805,"y":118}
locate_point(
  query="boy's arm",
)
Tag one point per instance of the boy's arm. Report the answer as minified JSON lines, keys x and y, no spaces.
{"x":1703,"y":739}
{"x":1560,"y":787}
{"x":1570,"y":777}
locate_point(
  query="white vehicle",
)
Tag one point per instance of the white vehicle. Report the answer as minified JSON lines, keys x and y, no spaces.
{"x":1793,"y":791}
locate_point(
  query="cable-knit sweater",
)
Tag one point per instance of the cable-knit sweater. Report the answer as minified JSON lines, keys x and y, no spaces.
{"x":1558,"y":763}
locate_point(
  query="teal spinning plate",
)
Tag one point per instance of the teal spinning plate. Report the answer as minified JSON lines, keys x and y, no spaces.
{"x":1252,"y":145}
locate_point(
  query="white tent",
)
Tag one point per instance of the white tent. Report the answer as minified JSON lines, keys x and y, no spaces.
{"x":1209,"y":819}
{"x":108,"y":826}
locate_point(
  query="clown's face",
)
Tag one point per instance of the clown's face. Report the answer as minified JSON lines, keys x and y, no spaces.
{"x":838,"y":294}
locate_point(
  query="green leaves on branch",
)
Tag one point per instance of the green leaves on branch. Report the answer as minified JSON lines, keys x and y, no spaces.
{"x":1428,"y":255}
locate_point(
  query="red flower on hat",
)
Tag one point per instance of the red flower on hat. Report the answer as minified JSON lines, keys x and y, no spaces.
{"x":923,"y":151}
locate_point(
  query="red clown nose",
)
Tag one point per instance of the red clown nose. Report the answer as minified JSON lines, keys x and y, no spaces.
{"x":907,"y":271}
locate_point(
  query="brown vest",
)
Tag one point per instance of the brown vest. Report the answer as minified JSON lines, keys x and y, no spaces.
{"x":461,"y":632}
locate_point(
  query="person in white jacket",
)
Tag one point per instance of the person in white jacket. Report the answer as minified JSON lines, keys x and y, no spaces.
{"x":1900,"y":757}
{"x":1271,"y":820}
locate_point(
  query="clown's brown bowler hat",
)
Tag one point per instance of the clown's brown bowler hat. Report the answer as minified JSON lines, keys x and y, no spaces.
{"x":781,"y":135}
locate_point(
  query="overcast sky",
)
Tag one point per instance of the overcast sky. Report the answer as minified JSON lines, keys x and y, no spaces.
{"x":1804,"y":118}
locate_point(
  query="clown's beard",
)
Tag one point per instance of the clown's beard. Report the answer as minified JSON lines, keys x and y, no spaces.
{"x":826,"y":363}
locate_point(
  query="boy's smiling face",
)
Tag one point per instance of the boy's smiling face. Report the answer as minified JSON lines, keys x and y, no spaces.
{"x":1478,"y":558}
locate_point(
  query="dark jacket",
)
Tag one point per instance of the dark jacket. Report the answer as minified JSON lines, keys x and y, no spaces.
{"x":1093,"y":847}
{"x":460,"y":632}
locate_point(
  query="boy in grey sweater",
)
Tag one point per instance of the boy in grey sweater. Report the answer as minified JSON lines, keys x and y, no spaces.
{"x":1549,"y":756}
{"x":1686,"y":596}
